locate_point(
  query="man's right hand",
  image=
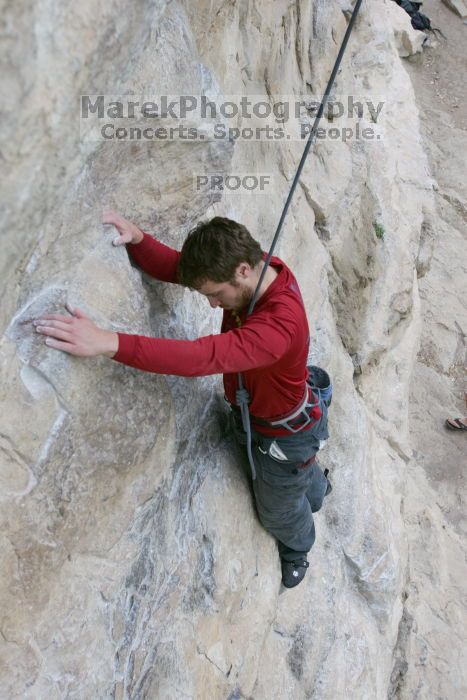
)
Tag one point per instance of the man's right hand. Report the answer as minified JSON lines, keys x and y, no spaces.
{"x":129,"y":233}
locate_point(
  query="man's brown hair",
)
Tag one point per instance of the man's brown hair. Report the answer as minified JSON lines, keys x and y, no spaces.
{"x":214,"y":249}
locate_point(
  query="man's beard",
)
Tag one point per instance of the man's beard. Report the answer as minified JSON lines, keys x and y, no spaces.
{"x":244,"y":297}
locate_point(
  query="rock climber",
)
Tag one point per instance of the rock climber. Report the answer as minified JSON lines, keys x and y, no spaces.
{"x":221,"y":260}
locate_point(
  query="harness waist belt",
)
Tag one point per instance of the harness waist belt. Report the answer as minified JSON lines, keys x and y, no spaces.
{"x":299,"y":416}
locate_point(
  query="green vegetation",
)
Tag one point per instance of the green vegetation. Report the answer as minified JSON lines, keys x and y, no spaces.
{"x":379,"y":229}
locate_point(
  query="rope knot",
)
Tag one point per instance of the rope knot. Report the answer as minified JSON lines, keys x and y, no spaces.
{"x":243,"y":397}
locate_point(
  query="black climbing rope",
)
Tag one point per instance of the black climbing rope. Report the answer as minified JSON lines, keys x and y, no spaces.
{"x":242,"y":396}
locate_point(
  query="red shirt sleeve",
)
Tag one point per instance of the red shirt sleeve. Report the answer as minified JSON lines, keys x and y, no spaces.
{"x":261,"y":341}
{"x":155,"y":258}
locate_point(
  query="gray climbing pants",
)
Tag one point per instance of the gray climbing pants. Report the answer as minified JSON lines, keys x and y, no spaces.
{"x":289,"y":487}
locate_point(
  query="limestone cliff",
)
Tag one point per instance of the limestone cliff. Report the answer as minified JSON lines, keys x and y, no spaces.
{"x":133,"y":565}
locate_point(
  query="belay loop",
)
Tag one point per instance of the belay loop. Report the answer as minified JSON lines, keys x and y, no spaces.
{"x":242,"y":395}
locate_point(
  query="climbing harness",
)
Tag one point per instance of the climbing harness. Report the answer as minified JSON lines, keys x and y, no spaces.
{"x":300,"y":417}
{"x":318,"y":384}
{"x":242,"y":396}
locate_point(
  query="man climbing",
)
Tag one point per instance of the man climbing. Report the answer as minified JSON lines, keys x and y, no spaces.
{"x":222,"y":261}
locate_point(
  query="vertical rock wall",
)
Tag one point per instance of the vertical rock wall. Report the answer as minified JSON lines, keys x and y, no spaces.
{"x":133,"y":564}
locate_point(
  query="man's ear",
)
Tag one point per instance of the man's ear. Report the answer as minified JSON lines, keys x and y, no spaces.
{"x":243,"y":270}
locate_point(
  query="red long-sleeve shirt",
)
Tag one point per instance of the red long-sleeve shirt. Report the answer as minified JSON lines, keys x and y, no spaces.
{"x":270,"y":348}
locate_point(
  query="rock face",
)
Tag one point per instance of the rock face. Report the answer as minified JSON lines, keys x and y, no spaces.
{"x":133,"y":563}
{"x":457,"y":6}
{"x":408,"y":40}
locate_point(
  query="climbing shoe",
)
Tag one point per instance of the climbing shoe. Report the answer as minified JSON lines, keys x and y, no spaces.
{"x":293,"y":572}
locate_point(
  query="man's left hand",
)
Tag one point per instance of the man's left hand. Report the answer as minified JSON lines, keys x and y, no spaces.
{"x":77,"y":334}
